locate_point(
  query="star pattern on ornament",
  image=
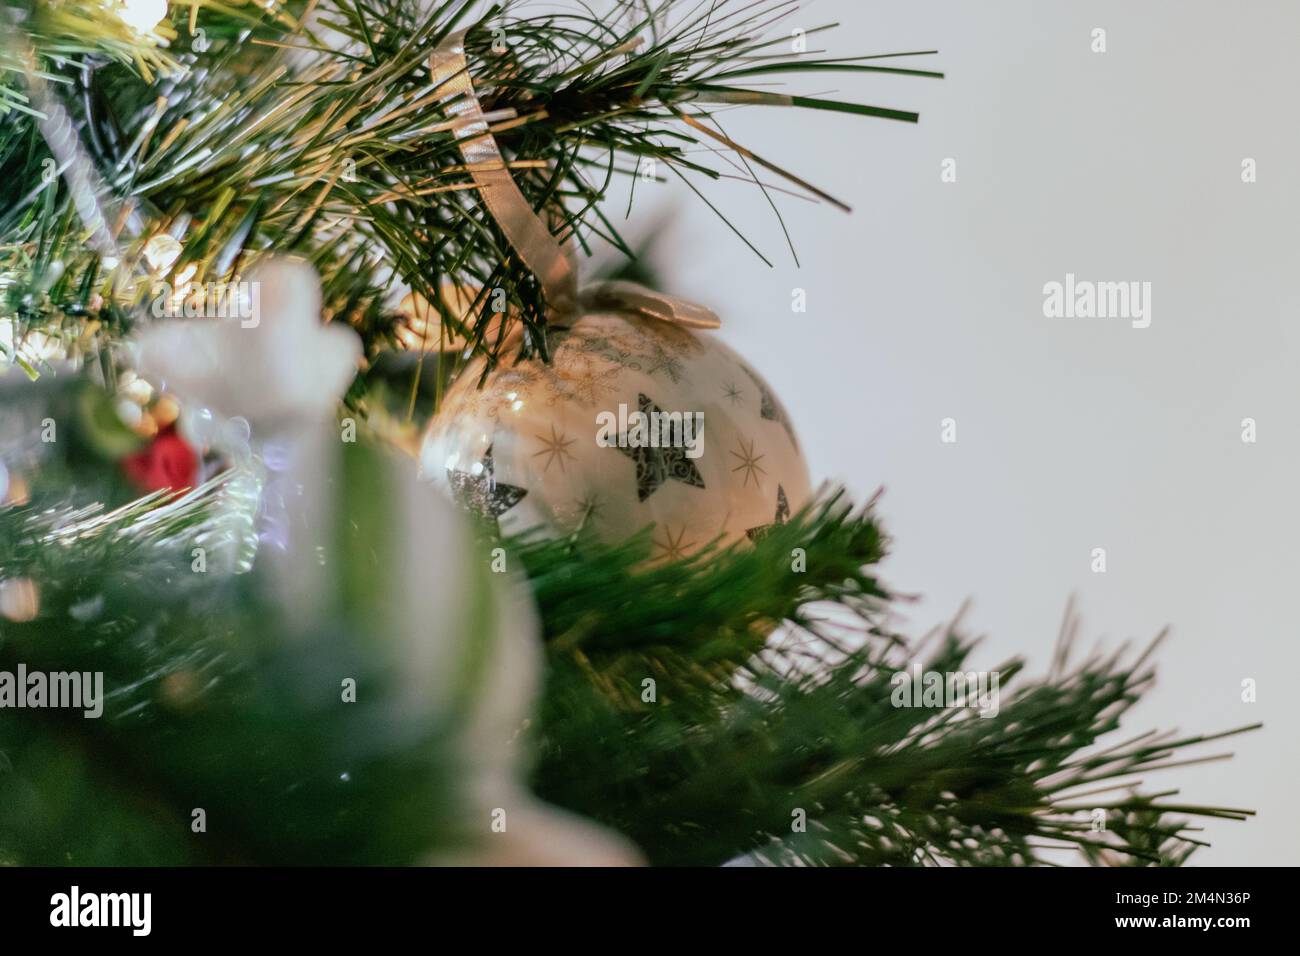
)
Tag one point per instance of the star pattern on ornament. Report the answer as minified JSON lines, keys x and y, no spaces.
{"x":478,"y":490}
{"x":654,"y":466}
{"x":781,"y":517}
{"x":769,"y":408}
{"x":731,"y":392}
{"x":591,"y":507}
{"x":555,"y":448}
{"x":674,"y":547}
{"x":749,"y":462}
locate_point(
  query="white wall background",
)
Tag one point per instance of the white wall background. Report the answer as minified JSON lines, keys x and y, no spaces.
{"x":1073,"y":434}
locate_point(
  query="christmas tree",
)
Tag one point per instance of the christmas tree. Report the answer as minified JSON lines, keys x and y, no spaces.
{"x":272,"y":273}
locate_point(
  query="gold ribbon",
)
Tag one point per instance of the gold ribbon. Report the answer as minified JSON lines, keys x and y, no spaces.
{"x":620,"y":295}
{"x":546,"y":257}
{"x":523,"y":228}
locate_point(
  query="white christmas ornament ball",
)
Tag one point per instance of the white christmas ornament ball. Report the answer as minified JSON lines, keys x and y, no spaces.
{"x":636,"y":421}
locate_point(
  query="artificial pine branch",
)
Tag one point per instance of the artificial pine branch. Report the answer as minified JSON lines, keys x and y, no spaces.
{"x":743,"y":733}
{"x":213,"y":700}
{"x":878,"y":785}
{"x":714,"y":608}
{"x":326,"y":138}
{"x":323,"y":136}
{"x":69,"y":33}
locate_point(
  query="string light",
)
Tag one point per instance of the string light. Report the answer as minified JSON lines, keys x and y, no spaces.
{"x":20,"y":599}
{"x":161,"y":252}
{"x":142,"y":15}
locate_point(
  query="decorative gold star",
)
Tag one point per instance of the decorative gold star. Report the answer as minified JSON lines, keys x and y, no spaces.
{"x":749,"y":462}
{"x":674,"y":548}
{"x":590,"y":507}
{"x":555,"y":447}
